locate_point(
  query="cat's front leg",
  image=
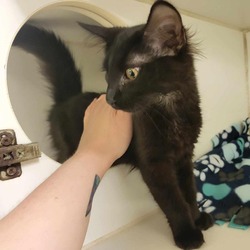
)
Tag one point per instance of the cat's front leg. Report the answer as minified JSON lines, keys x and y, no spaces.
{"x":188,"y":187}
{"x":163,"y":184}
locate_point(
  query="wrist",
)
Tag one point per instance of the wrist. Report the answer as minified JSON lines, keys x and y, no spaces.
{"x":98,"y":161}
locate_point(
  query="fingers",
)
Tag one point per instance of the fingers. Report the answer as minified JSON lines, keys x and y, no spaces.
{"x":100,"y":105}
{"x":93,"y":104}
{"x":102,"y":129}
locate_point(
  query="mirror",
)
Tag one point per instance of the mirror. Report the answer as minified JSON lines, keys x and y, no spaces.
{"x":29,"y":91}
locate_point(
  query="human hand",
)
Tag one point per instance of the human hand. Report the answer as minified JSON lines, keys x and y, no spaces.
{"x":107,"y":131}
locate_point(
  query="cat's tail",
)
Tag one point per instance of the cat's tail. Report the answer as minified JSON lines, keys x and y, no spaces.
{"x":58,"y":65}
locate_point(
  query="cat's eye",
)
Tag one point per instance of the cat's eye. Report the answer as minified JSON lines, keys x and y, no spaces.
{"x":132,"y":73}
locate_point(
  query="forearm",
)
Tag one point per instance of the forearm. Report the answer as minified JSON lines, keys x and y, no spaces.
{"x":54,"y":215}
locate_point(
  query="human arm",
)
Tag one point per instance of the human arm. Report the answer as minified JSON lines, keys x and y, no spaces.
{"x":54,"y":215}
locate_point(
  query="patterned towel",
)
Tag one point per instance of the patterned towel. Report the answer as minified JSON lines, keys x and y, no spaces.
{"x":223,"y":177}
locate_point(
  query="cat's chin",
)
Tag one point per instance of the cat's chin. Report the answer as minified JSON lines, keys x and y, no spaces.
{"x":129,"y":110}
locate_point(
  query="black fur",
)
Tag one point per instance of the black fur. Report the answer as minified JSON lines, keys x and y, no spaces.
{"x":163,"y":99}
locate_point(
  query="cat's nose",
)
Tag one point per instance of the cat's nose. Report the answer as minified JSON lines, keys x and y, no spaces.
{"x":110,"y":97}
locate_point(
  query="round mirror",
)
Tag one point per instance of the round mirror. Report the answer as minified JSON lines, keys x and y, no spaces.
{"x":30,"y":91}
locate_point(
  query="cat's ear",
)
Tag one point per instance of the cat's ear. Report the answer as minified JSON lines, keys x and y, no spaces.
{"x":106,"y":34}
{"x":164,"y":33}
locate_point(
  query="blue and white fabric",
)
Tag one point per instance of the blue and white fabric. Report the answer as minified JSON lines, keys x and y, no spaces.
{"x":223,"y":177}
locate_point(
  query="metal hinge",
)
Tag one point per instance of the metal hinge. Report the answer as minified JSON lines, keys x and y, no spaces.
{"x":12,"y":154}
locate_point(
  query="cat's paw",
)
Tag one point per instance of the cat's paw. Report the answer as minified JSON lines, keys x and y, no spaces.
{"x":205,"y":221}
{"x":189,"y":239}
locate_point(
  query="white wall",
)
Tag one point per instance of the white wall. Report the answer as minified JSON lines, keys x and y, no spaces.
{"x":221,"y":78}
{"x":248,"y":65}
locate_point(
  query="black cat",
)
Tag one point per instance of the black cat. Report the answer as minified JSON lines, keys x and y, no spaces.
{"x":150,"y":73}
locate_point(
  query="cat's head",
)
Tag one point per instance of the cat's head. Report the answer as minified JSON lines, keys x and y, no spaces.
{"x":142,"y":62}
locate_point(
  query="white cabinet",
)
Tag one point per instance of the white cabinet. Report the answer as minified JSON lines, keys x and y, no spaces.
{"x":124,"y":215}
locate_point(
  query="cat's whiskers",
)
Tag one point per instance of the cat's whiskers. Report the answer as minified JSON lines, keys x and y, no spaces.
{"x":166,"y":101}
{"x":160,"y":113}
{"x":155,"y":125}
{"x":153,"y":122}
